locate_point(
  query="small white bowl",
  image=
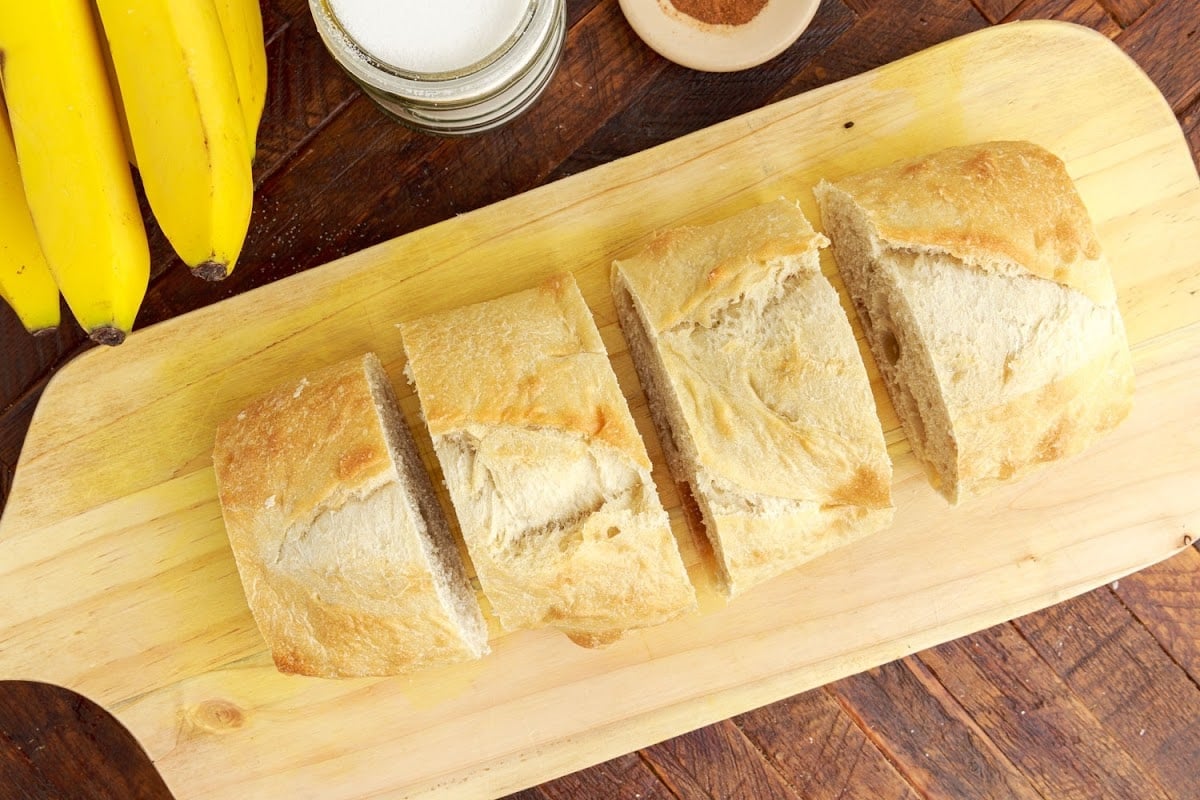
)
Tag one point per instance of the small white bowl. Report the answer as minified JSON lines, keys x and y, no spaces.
{"x":719,"y":48}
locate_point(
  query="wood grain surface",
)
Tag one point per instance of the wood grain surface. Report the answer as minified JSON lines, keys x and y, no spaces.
{"x":1095,"y":697}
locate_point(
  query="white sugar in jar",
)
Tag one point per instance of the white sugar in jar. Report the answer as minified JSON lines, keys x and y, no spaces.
{"x":446,"y":66}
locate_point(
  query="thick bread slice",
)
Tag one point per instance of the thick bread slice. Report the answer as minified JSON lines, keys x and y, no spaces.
{"x":545,"y":468}
{"x":988,"y":305}
{"x":757,"y":389}
{"x":344,"y":552}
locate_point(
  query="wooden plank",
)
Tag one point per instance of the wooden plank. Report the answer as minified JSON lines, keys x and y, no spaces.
{"x":888,"y":31}
{"x":1032,"y":717}
{"x":1155,"y":712}
{"x":303,"y":94}
{"x":20,"y":777}
{"x":717,"y":761}
{"x":626,"y":776}
{"x":56,"y":744}
{"x":820,"y":750}
{"x":1165,"y":598}
{"x":23,"y":364}
{"x":1082,"y":12}
{"x":1190,"y":121}
{"x":995,"y":10}
{"x":17,"y":414}
{"x":860,"y":7}
{"x":283,"y":12}
{"x":667,"y":107}
{"x":1126,"y":12}
{"x":589,"y":88}
{"x":23,"y":356}
{"x":126,"y":562}
{"x":1166,"y":43}
{"x":931,"y":740}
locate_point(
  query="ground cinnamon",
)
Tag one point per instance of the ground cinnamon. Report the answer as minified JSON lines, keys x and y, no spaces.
{"x":720,"y":12}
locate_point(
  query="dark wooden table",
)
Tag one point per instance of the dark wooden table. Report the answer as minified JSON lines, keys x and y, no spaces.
{"x":1098,"y":697}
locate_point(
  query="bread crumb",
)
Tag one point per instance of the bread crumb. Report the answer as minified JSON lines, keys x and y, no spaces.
{"x":241,"y":415}
{"x":269,"y":502}
{"x":300,"y":388}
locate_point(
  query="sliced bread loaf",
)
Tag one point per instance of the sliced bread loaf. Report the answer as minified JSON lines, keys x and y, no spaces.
{"x":547,"y":473}
{"x":343,"y":550}
{"x":988,"y":305}
{"x":757,"y":389}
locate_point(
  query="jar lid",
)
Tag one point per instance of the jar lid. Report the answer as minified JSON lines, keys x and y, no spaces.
{"x":420,"y":38}
{"x":714,"y":46}
{"x":452,"y":89}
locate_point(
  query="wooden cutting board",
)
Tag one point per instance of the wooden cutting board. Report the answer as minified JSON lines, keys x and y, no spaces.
{"x":116,"y":578}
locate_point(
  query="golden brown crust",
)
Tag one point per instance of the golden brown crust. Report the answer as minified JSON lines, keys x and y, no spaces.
{"x":545,"y":467}
{"x":336,"y":590}
{"x":996,"y":205}
{"x":557,"y":380}
{"x":773,"y":391}
{"x":1001,"y":444}
{"x":311,"y":635}
{"x":992,"y":373}
{"x":758,"y":386}
{"x":711,"y":266}
{"x":306,"y":445}
{"x":753,"y":549}
{"x":620,"y":571}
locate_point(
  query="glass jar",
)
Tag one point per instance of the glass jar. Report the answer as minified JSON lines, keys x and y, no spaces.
{"x":427,"y":90}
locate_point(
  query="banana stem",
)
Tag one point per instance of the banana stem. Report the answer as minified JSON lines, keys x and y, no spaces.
{"x":107,"y":334}
{"x":211,"y":271}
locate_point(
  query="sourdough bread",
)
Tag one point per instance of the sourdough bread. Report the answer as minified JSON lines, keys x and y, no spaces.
{"x":547,"y":473}
{"x":343,"y":550}
{"x":757,"y":389}
{"x":988,"y":305}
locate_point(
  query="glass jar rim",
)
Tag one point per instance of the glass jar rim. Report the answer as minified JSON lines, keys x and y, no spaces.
{"x":473,"y":83}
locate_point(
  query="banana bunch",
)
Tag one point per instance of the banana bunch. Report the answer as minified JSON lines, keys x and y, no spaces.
{"x":175,"y":87}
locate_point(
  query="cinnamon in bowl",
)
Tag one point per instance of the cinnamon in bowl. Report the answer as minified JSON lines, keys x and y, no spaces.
{"x":720,"y":12}
{"x":719,"y":35}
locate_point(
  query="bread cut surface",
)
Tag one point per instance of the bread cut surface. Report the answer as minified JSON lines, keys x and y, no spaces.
{"x":988,"y":305}
{"x":344,"y":553}
{"x":547,"y":473}
{"x":757,"y":389}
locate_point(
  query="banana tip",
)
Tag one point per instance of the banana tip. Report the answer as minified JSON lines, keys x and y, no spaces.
{"x":108,"y":335}
{"x":211,"y":271}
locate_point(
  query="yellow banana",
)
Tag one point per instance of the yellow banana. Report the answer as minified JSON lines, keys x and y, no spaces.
{"x":74,"y":169}
{"x":25,"y":279}
{"x":242,"y":25}
{"x":189,"y":135}
{"x":111,"y":74}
